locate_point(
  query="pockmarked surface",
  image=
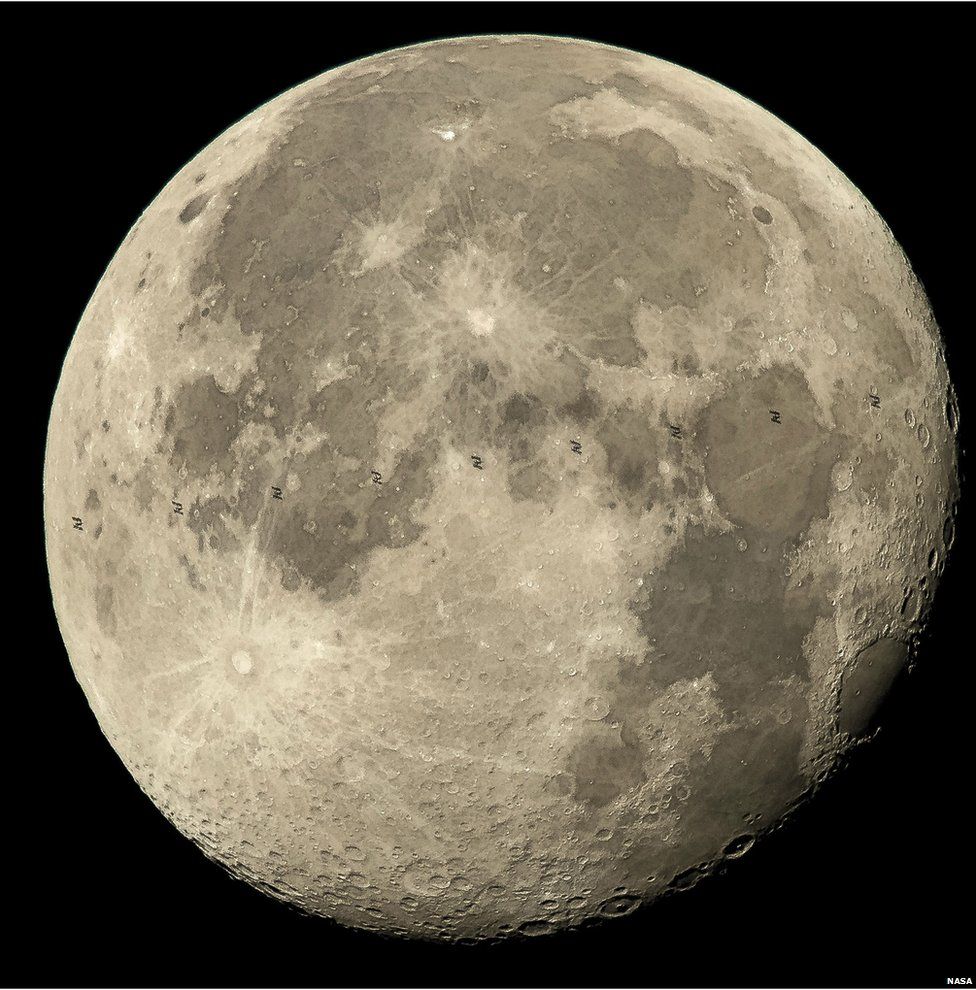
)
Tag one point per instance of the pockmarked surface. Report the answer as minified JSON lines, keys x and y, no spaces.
{"x":494,"y":482}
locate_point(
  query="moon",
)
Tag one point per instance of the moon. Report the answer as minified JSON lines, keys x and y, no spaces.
{"x":494,"y":483}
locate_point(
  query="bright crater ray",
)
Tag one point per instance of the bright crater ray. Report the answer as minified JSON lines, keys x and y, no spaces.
{"x":495,"y":481}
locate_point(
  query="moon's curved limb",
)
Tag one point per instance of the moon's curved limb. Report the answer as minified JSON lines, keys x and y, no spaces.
{"x":493,"y":482}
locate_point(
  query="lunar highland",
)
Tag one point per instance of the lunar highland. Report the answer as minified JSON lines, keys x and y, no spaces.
{"x":494,"y":482}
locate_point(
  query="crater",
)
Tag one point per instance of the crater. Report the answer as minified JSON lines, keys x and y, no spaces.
{"x":194,"y":208}
{"x":619,"y":906}
{"x":606,"y":765}
{"x":536,"y":926}
{"x":739,"y":846}
{"x":865,"y":686}
{"x":242,"y":661}
{"x":768,"y":459}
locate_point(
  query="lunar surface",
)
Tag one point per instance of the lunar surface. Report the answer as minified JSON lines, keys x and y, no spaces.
{"x":494,"y":482}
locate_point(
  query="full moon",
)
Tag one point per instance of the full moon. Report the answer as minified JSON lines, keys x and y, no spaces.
{"x":495,"y":482}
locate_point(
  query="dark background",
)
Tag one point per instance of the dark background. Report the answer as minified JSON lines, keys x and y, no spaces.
{"x":869,"y":886}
